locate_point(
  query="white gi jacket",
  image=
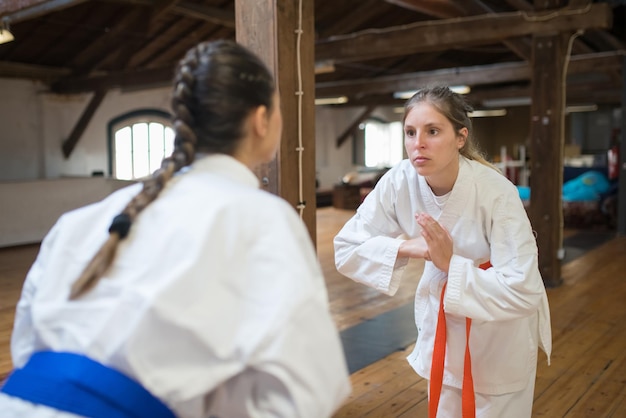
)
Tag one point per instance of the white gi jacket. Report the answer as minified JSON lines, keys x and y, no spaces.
{"x":215,"y":302}
{"x":507,"y":303}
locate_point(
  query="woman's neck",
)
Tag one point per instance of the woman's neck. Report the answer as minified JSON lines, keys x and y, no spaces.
{"x":443,"y":183}
{"x":439,"y":190}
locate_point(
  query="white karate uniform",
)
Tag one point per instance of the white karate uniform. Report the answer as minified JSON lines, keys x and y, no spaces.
{"x":215,"y":302}
{"x":507,"y":303}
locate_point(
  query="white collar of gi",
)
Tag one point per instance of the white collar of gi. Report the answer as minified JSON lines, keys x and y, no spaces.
{"x":455,"y":204}
{"x":227,"y":166}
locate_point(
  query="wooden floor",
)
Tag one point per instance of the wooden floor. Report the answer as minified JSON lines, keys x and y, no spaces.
{"x":587,"y":377}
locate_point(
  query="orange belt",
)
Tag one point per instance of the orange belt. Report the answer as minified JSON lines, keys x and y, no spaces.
{"x":439,"y":356}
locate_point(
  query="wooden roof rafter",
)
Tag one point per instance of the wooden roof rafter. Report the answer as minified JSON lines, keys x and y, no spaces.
{"x":123,"y":57}
{"x":209,"y":14}
{"x":20,"y":10}
{"x":449,"y":10}
{"x":473,"y":75}
{"x":450,"y":33}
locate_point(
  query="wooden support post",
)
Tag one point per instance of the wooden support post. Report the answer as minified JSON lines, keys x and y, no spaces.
{"x":269,"y":28}
{"x":621,"y":193}
{"x":547,"y":129}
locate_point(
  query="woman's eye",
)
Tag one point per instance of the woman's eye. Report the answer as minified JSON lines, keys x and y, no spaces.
{"x":409,"y":132}
{"x":434,"y":131}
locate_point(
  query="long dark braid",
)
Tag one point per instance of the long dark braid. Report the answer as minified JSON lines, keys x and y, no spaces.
{"x":216,"y":85}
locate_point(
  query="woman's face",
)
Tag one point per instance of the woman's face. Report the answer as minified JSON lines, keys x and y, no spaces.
{"x":432,"y":144}
{"x":263,"y":131}
{"x":274,"y":128}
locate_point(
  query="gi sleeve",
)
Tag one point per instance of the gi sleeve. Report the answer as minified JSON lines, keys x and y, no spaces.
{"x":366,"y":248}
{"x":513,"y":287}
{"x":297,"y":366}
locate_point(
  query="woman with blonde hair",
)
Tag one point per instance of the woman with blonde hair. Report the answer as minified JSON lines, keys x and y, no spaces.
{"x":480,"y":307}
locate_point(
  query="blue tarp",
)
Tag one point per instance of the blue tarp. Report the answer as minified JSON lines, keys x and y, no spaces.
{"x":588,"y":186}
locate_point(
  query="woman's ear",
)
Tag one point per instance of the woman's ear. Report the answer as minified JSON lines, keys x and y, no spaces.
{"x":462,"y":137}
{"x":260,"y":121}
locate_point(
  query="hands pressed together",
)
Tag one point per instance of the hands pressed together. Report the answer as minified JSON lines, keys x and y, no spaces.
{"x":434,"y":245}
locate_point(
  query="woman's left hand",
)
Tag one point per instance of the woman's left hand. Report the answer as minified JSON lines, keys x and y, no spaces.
{"x":439,"y":241}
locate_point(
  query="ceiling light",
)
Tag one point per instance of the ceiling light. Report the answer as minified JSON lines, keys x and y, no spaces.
{"x":508,"y":101}
{"x":581,"y":108}
{"x":404,"y":94}
{"x":5,"y":34}
{"x":409,"y":93}
{"x":331,"y":100}
{"x":324,"y":67}
{"x":487,"y":113}
{"x":460,"y":89}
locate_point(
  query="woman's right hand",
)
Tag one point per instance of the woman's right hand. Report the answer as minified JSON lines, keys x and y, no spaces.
{"x":414,"y":248}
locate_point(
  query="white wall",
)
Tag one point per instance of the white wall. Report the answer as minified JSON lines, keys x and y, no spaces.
{"x":332,"y":162}
{"x":30,"y":208}
{"x":60,"y":114}
{"x":37,"y":183}
{"x":34,"y":124}
{"x":21,"y":130}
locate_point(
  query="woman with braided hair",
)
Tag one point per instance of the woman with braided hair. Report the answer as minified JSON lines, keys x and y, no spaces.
{"x":481,"y":308}
{"x":193,"y":294}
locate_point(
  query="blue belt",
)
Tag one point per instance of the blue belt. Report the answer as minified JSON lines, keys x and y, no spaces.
{"x":75,"y":383}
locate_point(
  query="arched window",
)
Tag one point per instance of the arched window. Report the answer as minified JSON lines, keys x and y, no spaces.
{"x":138,"y":142}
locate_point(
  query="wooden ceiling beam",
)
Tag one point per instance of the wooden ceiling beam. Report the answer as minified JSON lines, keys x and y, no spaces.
{"x":520,"y":5}
{"x":519,"y":46}
{"x":346,"y":23}
{"x":599,"y":93}
{"x":475,"y":75}
{"x":28,"y":71}
{"x":448,"y":10}
{"x":136,"y":79}
{"x":436,"y":8}
{"x":122,"y":40}
{"x":21,"y":10}
{"x":12,"y":6}
{"x":210,"y":14}
{"x":458,"y":32}
{"x":131,"y":46}
{"x":87,"y":59}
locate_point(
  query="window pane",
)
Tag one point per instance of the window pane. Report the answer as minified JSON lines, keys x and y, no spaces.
{"x":383,"y":144}
{"x":156,"y":146}
{"x":123,"y":154}
{"x":141,"y":167}
{"x":140,"y":144}
{"x":169,"y":141}
{"x":374,"y":144}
